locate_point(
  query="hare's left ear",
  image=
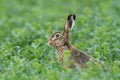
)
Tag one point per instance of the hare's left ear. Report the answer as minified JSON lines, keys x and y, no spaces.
{"x":70,"y":21}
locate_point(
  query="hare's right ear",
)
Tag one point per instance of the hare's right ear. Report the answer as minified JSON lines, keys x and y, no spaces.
{"x":70,"y":21}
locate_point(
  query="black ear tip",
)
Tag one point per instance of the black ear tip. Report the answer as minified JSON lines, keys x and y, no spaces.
{"x":69,"y":17}
{"x":74,"y":16}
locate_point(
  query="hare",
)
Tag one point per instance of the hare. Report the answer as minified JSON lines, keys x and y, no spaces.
{"x":61,"y":41}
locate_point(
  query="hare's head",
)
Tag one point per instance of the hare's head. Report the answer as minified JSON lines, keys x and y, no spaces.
{"x":61,"y":38}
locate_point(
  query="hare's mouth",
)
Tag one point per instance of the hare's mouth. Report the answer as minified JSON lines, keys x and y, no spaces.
{"x":48,"y":43}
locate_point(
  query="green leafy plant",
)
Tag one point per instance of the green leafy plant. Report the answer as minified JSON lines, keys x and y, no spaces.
{"x":25,"y":26}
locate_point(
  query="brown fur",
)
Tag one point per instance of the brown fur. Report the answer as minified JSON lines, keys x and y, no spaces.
{"x":63,"y":42}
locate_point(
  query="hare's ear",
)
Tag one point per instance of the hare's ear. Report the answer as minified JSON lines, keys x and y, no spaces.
{"x":70,"y":21}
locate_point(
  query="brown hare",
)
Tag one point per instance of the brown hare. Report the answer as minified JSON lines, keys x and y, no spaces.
{"x":61,"y":41}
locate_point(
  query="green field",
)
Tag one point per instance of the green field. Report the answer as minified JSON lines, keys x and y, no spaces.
{"x":25,"y":26}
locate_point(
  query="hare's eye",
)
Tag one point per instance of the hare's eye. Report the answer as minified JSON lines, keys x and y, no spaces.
{"x":57,"y":35}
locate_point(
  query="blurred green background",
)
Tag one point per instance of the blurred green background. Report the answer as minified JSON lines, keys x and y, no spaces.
{"x":25,"y":26}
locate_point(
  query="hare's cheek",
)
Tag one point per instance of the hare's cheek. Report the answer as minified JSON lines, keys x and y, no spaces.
{"x":57,"y":43}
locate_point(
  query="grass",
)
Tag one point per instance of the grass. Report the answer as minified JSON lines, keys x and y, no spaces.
{"x":25,"y":26}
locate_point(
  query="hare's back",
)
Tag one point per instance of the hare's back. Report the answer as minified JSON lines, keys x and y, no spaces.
{"x":79,"y":56}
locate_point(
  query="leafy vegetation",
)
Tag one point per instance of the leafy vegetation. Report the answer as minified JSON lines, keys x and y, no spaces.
{"x":25,"y":26}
